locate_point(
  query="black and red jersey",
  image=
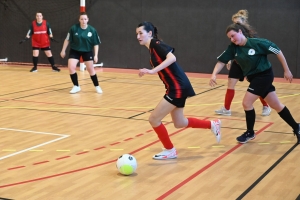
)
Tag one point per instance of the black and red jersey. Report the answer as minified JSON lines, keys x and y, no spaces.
{"x":175,"y":80}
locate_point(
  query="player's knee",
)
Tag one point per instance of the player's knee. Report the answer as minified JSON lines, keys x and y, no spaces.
{"x":247,"y":105}
{"x":154,"y":121}
{"x":179,"y":125}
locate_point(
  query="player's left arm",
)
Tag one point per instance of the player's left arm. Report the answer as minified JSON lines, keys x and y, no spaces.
{"x":96,"y":49}
{"x":287,"y":73}
{"x":49,"y":31}
{"x":170,"y":58}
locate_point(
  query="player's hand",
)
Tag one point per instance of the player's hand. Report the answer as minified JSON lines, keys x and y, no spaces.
{"x":95,"y":59}
{"x":63,"y":54}
{"x":288,"y":76}
{"x":212,"y":81}
{"x":144,"y":71}
{"x":228,"y":65}
{"x":24,"y":40}
{"x":53,"y":40}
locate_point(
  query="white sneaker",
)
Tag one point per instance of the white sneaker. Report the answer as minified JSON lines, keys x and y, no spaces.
{"x":216,"y":129}
{"x":266,"y":111}
{"x":223,"y":111}
{"x":99,"y":90}
{"x":75,"y":89}
{"x":166,"y":154}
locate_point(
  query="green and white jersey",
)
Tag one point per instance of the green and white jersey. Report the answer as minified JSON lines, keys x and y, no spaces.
{"x":83,"y":40}
{"x":252,"y":57}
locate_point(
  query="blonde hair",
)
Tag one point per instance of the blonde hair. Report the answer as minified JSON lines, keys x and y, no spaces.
{"x":242,"y":14}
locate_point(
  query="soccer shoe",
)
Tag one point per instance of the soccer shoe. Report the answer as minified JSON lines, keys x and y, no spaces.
{"x":34,"y":69}
{"x":75,"y":89}
{"x":166,"y":154}
{"x":266,"y":111}
{"x":245,"y":137}
{"x":216,"y":129}
{"x":99,"y":90}
{"x":297,"y":134}
{"x":223,"y":111}
{"x":55,"y":69}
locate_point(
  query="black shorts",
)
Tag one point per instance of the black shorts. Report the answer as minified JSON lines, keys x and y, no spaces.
{"x":43,"y":49}
{"x":178,"y":102}
{"x":261,"y":83}
{"x":236,"y":71}
{"x":86,"y":56}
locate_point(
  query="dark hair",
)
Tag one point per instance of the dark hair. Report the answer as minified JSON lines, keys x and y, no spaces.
{"x":83,"y":13}
{"x":39,"y":12}
{"x":246,"y":29}
{"x":148,"y":26}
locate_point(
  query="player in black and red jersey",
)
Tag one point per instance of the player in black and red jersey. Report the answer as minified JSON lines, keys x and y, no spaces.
{"x":178,"y":89}
{"x":40,"y":32}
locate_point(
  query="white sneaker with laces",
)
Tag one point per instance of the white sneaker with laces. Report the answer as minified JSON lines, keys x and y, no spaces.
{"x":99,"y":90}
{"x":266,"y":111}
{"x":216,"y":129}
{"x":75,"y":89}
{"x":166,"y":154}
{"x":223,"y":111}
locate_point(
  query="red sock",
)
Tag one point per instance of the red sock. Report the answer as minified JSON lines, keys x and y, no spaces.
{"x":198,"y":123}
{"x":163,"y":136}
{"x":263,"y":102}
{"x":228,"y":98}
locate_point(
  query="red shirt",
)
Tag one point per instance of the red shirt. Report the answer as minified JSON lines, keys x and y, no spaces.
{"x":40,"y":36}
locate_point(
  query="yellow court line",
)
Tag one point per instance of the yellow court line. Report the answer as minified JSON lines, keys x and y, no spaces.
{"x":219,"y":146}
{"x":193,"y":147}
{"x":263,"y":143}
{"x":8,"y":150}
{"x":36,"y":150}
{"x":284,"y":142}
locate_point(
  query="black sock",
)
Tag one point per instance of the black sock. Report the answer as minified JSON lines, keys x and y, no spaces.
{"x":288,"y":118}
{"x":95,"y":80}
{"x":35,"y":61}
{"x":74,"y":79}
{"x":51,"y":61}
{"x":250,"y":119}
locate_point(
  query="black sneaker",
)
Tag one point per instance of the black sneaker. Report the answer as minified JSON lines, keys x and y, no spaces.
{"x":245,"y":137}
{"x":34,"y":69}
{"x":297,"y":134}
{"x":55,"y":69}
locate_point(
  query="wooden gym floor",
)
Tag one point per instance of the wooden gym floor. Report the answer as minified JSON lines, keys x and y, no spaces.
{"x":56,"y":145}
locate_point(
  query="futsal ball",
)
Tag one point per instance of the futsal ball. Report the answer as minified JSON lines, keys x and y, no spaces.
{"x":126,"y":164}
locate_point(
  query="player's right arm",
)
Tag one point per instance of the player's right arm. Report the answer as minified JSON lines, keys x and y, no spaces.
{"x":65,"y":45}
{"x":30,"y":32}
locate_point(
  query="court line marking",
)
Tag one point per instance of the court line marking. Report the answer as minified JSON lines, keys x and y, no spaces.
{"x":62,"y":136}
{"x":206,"y":167}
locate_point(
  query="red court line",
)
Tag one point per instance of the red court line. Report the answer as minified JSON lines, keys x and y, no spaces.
{"x":128,"y":139}
{"x":81,"y":169}
{"x":62,"y":157}
{"x":84,"y":152}
{"x":115,"y":143}
{"x":16,"y":167}
{"x":99,"y":148}
{"x":38,"y":163}
{"x":175,"y":188}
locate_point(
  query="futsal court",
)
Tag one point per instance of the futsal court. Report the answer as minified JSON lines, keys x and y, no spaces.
{"x":56,"y":145}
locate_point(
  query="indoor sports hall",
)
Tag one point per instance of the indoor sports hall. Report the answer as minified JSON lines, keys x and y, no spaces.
{"x":62,"y":146}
